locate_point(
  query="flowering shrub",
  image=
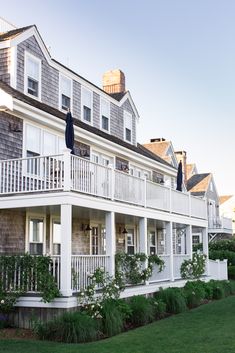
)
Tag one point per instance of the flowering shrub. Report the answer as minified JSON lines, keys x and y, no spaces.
{"x":109,"y":289}
{"x":193,"y":269}
{"x":131,"y":268}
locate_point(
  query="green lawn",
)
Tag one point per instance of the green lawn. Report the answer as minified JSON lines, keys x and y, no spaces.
{"x":207,"y":329}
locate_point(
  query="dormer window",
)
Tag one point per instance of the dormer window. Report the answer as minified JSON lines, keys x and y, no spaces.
{"x":86,"y":105}
{"x":105,"y":115}
{"x":127,"y":126}
{"x":32,"y":75}
{"x":65,"y":93}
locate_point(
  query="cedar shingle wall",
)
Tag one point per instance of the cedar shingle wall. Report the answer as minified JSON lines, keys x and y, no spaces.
{"x":4,"y":65}
{"x":12,"y":232}
{"x":10,"y":141}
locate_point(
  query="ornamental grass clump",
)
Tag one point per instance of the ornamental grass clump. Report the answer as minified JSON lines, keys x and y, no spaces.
{"x":174,"y":300}
{"x":112,"y":318}
{"x":74,"y":327}
{"x":141,"y":310}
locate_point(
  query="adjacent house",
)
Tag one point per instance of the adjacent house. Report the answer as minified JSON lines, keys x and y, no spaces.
{"x":111,"y":195}
{"x":227,"y":208}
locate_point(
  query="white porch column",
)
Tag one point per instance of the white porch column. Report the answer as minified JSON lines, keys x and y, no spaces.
{"x":67,"y":169}
{"x":169,"y":246}
{"x":189,"y":246}
{"x":110,"y":240}
{"x":66,"y":246}
{"x":205,"y":248}
{"x":143,"y":235}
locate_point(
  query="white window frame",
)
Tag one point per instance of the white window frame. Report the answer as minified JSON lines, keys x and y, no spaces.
{"x":52,"y":220}
{"x":39,"y":62}
{"x":197,"y":235}
{"x":126,"y":118}
{"x":30,"y":216}
{"x":130,"y":228}
{"x":63,"y":77}
{"x":82,"y":105}
{"x":104,"y":101}
{"x":150,"y":231}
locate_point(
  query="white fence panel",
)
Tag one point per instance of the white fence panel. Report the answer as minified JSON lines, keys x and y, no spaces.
{"x":218,"y":269}
{"x":180,"y":202}
{"x":157,"y":196}
{"x":129,"y":188}
{"x":164,"y":275}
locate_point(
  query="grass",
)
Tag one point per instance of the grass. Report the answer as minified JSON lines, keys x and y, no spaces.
{"x":207,"y":329}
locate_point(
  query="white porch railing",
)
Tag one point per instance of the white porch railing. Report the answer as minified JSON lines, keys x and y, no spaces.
{"x":48,"y":173}
{"x":164,"y":275}
{"x":31,"y":174}
{"x":220,"y":223}
{"x":83,"y":266}
{"x":218,"y":269}
{"x":177,"y":261}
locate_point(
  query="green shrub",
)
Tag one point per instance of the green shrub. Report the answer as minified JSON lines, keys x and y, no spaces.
{"x":231,"y":272}
{"x":223,"y":245}
{"x":195,"y":267}
{"x":218,"y":289}
{"x":124,"y":308}
{"x":142,"y":310}
{"x":74,"y":327}
{"x":208,"y":288}
{"x":232,"y":286}
{"x":223,"y":254}
{"x":173,"y":298}
{"x":112,"y":318}
{"x":159,"y":307}
{"x":194,"y":293}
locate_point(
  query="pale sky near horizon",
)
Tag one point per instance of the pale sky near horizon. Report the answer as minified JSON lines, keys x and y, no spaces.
{"x":178,"y":57}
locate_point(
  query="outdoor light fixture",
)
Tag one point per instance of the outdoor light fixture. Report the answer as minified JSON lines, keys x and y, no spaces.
{"x":86,"y":228}
{"x":124,"y":231}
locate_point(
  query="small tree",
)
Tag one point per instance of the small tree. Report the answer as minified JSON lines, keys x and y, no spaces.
{"x":193,"y":269}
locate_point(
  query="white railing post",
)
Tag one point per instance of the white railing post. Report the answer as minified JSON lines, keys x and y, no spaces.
{"x":169,"y":245}
{"x":66,"y":247}
{"x":218,"y":269}
{"x":205,"y":248}
{"x":189,"y":245}
{"x":143,"y":231}
{"x":112,"y":182}
{"x":145,"y":191}
{"x":110,"y":240}
{"x":67,"y":169}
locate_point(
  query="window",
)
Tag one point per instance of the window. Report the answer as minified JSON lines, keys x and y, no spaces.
{"x":130,"y":241}
{"x":161,"y":237}
{"x":56,"y":237}
{"x":158,"y":177}
{"x":65,"y":93}
{"x":95,"y":241}
{"x":127,"y":126}
{"x":105,"y":115}
{"x":196,"y":239}
{"x":152,"y":242}
{"x":33,"y":146}
{"x":32,"y":75}
{"x":86,"y":105}
{"x":36,"y":236}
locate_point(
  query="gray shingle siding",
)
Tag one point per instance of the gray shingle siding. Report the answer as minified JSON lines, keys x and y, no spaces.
{"x":11,"y":142}
{"x":49,"y":75}
{"x":116,"y":121}
{"x":96,"y":110}
{"x":76,"y":100}
{"x":5,"y":59}
{"x":12,"y":234}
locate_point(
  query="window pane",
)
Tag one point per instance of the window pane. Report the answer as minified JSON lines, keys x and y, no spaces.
{"x":32,"y":87}
{"x":65,"y":104}
{"x":56,"y":232}
{"x":128,"y":134}
{"x":65,"y":86}
{"x":105,"y":108}
{"x":105,"y":123}
{"x":49,"y":145}
{"x":87,"y":113}
{"x":33,"y":135}
{"x":33,"y":68}
{"x":86,"y":98}
{"x":36,"y":231}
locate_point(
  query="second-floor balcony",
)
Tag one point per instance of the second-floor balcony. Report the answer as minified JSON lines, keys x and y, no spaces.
{"x":66,"y":172}
{"x":220,"y":224}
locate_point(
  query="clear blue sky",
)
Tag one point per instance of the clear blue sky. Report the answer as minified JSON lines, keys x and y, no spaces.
{"x":178,"y":57}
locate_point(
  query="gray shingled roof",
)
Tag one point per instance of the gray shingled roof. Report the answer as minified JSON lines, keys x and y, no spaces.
{"x":55,"y":112}
{"x":13,"y":33}
{"x":196,"y":179}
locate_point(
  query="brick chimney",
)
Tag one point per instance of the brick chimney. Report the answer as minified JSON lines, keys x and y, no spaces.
{"x":114,"y":81}
{"x":182,"y":156}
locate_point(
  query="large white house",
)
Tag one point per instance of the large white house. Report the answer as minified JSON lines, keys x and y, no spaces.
{"x":75,"y":207}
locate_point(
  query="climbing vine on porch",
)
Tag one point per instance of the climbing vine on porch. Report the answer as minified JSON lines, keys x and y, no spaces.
{"x":20,"y":274}
{"x":132,"y":269}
